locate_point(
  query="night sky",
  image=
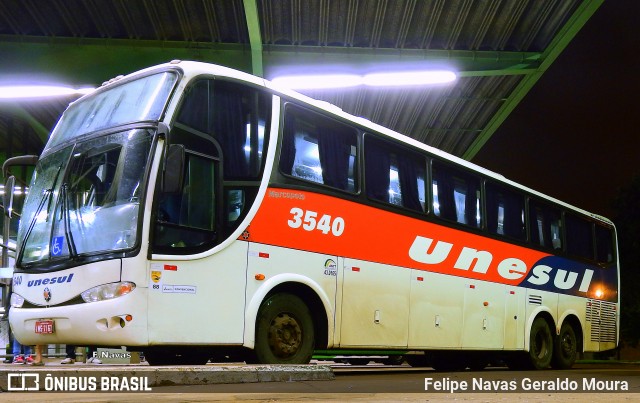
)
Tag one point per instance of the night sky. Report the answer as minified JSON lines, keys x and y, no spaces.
{"x":576,"y":135}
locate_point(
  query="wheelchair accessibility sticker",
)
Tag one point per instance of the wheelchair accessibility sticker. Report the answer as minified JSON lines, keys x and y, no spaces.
{"x":57,"y":245}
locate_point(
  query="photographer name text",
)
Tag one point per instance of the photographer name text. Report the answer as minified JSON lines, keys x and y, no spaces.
{"x":524,"y":385}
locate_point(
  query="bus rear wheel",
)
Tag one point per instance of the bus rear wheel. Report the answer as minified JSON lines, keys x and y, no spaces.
{"x":284,"y":331}
{"x":565,"y":349}
{"x":541,"y":345}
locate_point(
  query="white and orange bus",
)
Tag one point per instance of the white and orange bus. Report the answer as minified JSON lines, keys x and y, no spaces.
{"x":188,"y":209}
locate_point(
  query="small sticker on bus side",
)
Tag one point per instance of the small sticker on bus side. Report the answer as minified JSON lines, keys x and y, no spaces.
{"x":179,"y":289}
{"x":155,"y":283}
{"x":330,"y":268}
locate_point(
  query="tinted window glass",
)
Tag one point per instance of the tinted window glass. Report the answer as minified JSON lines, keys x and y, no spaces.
{"x":138,"y":100}
{"x":546,"y":225}
{"x":394,"y":175}
{"x":456,"y":195}
{"x":319,"y":149}
{"x":604,"y":244}
{"x":505,"y":212}
{"x":579,"y":236}
{"x":236,"y":116}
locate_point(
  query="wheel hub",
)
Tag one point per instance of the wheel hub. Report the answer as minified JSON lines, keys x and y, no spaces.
{"x":285,"y":335}
{"x":567,"y":345}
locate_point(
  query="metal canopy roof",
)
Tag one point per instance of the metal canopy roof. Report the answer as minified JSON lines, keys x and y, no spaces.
{"x":499,"y":48}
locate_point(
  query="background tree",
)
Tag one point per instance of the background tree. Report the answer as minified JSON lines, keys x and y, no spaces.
{"x":627,"y":220}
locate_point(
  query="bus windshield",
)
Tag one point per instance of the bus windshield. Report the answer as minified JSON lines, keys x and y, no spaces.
{"x":85,"y":198}
{"x":139,"y":100}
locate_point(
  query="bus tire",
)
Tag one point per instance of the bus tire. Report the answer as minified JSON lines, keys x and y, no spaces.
{"x":284,"y":331}
{"x":541,"y":344}
{"x":565,"y":349}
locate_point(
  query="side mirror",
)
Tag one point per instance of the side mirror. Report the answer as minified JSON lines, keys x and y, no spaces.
{"x":7,"y":198}
{"x":22,"y":160}
{"x":173,"y":169}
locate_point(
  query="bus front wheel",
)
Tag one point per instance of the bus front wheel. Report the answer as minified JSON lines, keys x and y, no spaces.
{"x":541,"y":346}
{"x":284,"y":331}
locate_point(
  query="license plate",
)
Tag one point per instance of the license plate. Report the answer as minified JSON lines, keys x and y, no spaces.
{"x":44,"y":327}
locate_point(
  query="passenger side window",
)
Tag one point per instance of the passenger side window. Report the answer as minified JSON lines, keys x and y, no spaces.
{"x":394,"y":175}
{"x":237,"y":117}
{"x":456,"y":195}
{"x":505,"y":212}
{"x":318,"y":149}
{"x":604,"y":244}
{"x":579,"y":236}
{"x":546,"y":226}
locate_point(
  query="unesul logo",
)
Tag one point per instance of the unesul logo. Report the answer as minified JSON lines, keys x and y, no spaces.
{"x":50,"y":280}
{"x":47,"y":294}
{"x":434,"y":252}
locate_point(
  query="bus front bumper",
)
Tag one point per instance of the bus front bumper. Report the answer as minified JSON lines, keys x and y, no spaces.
{"x":118,"y":322}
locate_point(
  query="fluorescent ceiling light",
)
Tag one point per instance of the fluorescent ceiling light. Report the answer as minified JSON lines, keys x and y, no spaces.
{"x":390,"y":79}
{"x":409,"y":78}
{"x":318,"y":81}
{"x":39,"y":91}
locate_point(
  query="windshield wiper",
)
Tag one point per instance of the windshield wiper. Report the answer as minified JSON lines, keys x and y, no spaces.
{"x":67,"y":222}
{"x":45,"y":197}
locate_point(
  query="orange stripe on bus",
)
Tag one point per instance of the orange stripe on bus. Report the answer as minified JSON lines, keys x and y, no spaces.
{"x":324,"y":224}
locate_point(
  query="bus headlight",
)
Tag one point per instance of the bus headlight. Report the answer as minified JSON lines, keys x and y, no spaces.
{"x":16,"y":300}
{"x":107,"y":291}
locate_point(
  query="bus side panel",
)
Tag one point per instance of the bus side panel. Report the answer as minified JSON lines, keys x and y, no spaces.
{"x":198,"y":301}
{"x":375,"y":305}
{"x":436,"y":310}
{"x":483,"y":324}
{"x":514,"y":318}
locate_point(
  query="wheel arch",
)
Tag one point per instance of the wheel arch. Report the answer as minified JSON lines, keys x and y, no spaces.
{"x":304,"y":288}
{"x":544,"y":314}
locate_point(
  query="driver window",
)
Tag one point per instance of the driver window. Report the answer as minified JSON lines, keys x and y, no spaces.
{"x":186,"y":219}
